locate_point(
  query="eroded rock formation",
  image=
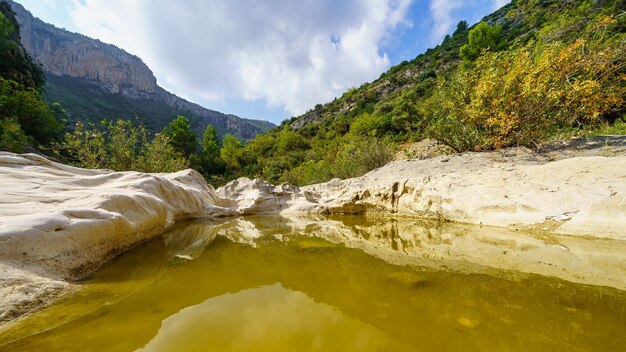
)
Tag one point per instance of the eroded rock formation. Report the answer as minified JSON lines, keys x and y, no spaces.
{"x":59,"y":222}
{"x":576,"y":189}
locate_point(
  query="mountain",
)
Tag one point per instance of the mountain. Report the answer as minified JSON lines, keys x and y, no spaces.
{"x":530,"y":72}
{"x":417,"y":76}
{"x":93,"y":80}
{"x":521,"y":21}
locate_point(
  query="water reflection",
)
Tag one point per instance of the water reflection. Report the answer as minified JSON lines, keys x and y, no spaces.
{"x":269,"y":318}
{"x":429,"y":244}
{"x":220,"y":286}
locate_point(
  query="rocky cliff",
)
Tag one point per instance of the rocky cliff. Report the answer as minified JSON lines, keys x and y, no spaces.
{"x":115,"y":73}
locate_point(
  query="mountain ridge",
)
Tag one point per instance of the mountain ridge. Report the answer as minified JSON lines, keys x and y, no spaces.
{"x":118,"y":74}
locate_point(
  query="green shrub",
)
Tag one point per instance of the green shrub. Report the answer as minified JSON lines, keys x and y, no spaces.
{"x":481,"y":38}
{"x":12,"y":138}
{"x":525,"y":96}
{"x":618,"y":127}
{"x":120,"y":146}
{"x":25,"y":106}
{"x":360,"y":154}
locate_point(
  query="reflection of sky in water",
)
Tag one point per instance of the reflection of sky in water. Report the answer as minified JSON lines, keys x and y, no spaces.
{"x":269,"y":318}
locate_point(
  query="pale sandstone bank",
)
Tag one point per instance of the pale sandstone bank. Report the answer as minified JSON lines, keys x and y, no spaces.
{"x":59,"y":223}
{"x":576,"y":187}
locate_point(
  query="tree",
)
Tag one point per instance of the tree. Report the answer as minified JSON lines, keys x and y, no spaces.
{"x":86,"y":147}
{"x":15,"y":63}
{"x":481,"y":38}
{"x":210,"y":160}
{"x":24,"y":105}
{"x":160,"y":156}
{"x":24,"y":116}
{"x":231,"y":152}
{"x":120,"y":146}
{"x":124,"y":143}
{"x":181,"y":137}
{"x":462,"y":26}
{"x":210,"y":142}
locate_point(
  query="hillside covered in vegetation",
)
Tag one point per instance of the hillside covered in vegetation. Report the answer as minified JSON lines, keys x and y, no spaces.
{"x":530,"y":72}
{"x":24,"y":117}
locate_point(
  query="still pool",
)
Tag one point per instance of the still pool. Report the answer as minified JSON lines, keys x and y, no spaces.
{"x":244,"y":285}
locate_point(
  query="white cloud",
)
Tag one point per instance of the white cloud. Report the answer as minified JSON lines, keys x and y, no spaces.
{"x":441,"y":11}
{"x":118,"y":22}
{"x":293,"y":54}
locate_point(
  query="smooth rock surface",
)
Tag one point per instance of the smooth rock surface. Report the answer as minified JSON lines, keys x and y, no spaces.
{"x":577,"y":187}
{"x":579,"y":196}
{"x":61,"y":223}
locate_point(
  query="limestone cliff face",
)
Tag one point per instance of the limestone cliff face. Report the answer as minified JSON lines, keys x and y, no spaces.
{"x":63,"y":53}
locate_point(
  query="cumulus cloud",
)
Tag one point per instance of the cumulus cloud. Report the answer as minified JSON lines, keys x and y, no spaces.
{"x":292,"y":54}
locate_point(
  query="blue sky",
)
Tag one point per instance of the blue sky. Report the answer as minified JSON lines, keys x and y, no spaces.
{"x":276,"y":59}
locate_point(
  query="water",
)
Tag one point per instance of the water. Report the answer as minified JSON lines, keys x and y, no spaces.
{"x":268,"y":284}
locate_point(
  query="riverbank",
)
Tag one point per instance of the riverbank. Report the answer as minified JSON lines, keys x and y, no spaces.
{"x":574,"y":187}
{"x":59,"y":223}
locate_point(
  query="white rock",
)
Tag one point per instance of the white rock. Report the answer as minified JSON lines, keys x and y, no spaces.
{"x":60,"y":222}
{"x":583,"y":195}
{"x":68,"y":220}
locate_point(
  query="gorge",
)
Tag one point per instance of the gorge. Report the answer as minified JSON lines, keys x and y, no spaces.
{"x":93,"y":80}
{"x":459,"y":202}
{"x":85,"y":217}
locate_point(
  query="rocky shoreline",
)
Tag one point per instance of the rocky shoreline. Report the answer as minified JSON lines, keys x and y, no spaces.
{"x":59,"y":223}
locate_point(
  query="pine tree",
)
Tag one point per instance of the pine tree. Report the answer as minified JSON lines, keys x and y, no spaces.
{"x":181,"y":137}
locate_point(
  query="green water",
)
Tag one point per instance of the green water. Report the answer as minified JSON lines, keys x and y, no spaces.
{"x":247,"y":286}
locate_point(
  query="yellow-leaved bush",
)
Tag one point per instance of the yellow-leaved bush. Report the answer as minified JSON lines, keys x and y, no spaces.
{"x":523,"y":96}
